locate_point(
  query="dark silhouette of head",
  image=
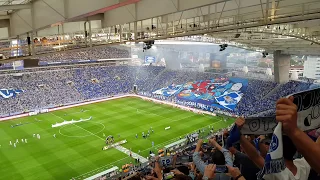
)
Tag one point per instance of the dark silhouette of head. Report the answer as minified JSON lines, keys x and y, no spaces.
{"x":183,"y":169}
{"x":217,"y":157}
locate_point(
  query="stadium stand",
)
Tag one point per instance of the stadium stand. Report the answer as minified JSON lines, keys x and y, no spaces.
{"x":33,"y":89}
{"x":48,"y":88}
{"x":106,"y":52}
{"x":84,"y":83}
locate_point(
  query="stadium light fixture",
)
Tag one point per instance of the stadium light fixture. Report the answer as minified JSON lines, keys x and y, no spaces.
{"x":264,"y":54}
{"x":223,"y":47}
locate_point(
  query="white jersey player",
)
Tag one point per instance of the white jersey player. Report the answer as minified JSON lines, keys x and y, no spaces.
{"x":25,"y":140}
{"x":10,"y":143}
{"x":17,"y":141}
{"x":38,"y":136}
{"x":34,"y":135}
{"x":22,"y":140}
{"x":14,"y":145}
{"x":54,"y":135}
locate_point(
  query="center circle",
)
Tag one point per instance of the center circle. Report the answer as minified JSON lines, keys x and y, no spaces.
{"x":83,"y":131}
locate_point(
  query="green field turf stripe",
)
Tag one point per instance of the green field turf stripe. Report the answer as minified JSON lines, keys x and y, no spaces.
{"x":8,"y":169}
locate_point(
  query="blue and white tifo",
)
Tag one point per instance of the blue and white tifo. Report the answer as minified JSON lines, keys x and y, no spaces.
{"x":9,"y":93}
{"x":168,"y":91}
{"x":223,"y":93}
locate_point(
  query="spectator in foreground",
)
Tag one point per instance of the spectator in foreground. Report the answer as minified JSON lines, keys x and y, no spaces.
{"x":286,"y":112}
{"x":297,"y":169}
{"x":220,"y":156}
{"x":248,"y":169}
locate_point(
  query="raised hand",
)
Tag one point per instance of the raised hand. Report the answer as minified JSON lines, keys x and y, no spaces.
{"x":286,"y":112}
{"x":240,"y":122}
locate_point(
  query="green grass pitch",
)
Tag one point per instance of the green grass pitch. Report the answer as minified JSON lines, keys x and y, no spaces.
{"x":77,"y":149}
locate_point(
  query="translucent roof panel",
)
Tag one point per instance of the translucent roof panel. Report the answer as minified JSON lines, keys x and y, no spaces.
{"x":11,"y":2}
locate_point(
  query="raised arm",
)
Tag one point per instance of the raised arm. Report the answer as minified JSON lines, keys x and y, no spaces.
{"x":252,"y":152}
{"x":308,"y":148}
{"x":225,"y":152}
{"x":235,"y":173}
{"x":248,"y":147}
{"x":286,"y":112}
{"x":174,"y":161}
{"x":214,"y":143}
{"x":197,"y":159}
{"x":233,"y":150}
{"x":157,"y":168}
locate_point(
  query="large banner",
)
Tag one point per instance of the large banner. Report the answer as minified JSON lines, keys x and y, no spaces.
{"x":8,"y":93}
{"x":259,"y":125}
{"x":168,"y":91}
{"x":223,"y":93}
{"x":308,"y":115}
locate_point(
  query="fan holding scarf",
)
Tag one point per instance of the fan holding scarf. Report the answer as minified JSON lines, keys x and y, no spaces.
{"x":279,"y":163}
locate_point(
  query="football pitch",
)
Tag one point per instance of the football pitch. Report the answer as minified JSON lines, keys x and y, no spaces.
{"x":76,"y":151}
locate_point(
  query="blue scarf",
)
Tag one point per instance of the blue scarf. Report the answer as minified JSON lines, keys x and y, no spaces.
{"x":256,"y":143}
{"x":234,"y":136}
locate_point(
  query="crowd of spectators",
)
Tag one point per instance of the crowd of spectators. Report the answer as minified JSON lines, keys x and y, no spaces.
{"x":43,"y":86}
{"x":41,"y":89}
{"x":48,"y":87}
{"x":106,"y":52}
{"x":220,"y":159}
{"x":181,"y":159}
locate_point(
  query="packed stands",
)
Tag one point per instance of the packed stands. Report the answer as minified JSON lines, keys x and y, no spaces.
{"x":107,"y":52}
{"x":53,"y":87}
{"x":43,"y":88}
{"x":256,"y":91}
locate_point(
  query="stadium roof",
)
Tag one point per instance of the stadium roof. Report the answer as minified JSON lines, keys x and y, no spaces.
{"x":7,"y":6}
{"x":266,"y":25}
